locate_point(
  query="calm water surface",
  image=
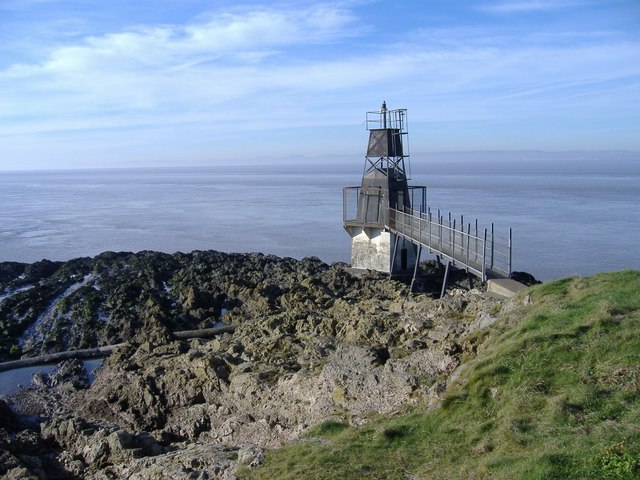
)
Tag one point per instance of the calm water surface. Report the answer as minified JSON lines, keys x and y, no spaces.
{"x":563,"y":223}
{"x":11,"y":381}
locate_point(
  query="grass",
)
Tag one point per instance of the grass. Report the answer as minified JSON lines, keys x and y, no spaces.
{"x":553,"y":393}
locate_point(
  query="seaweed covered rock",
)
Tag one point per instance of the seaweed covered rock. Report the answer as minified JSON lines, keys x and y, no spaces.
{"x":116,"y":297}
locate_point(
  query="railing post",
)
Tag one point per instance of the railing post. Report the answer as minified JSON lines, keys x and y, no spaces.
{"x":453,"y":243}
{"x":468,"y":241}
{"x":484,"y":256}
{"x":476,"y":242}
{"x":344,"y":204}
{"x":413,"y":225}
{"x":492,"y":244}
{"x":439,"y":220}
{"x":510,"y":245}
{"x":429,"y":217}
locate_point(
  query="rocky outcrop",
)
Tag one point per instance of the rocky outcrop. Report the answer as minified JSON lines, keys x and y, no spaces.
{"x":88,"y":447}
{"x":310,"y":342}
{"x":49,"y":307}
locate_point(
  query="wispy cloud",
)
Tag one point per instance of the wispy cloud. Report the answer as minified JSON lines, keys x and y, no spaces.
{"x":523,"y":6}
{"x":220,"y":58}
{"x":224,"y":35}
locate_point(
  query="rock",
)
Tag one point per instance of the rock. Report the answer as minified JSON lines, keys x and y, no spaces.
{"x":7,"y":418}
{"x":97,"y":446}
{"x":483,"y":319}
{"x":186,"y":462}
{"x":24,"y":454}
{"x":250,"y":456}
{"x":71,"y":372}
{"x":20,"y":473}
{"x":311,"y":342}
{"x":525,"y":278}
{"x":364,"y":386}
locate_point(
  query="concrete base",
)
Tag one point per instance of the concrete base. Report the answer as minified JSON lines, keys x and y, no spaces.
{"x":504,"y":287}
{"x":372,"y":249}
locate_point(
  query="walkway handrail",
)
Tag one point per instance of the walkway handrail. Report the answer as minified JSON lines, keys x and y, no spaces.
{"x":476,"y":252}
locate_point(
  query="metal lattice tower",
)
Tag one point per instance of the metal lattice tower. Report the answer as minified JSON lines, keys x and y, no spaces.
{"x":384,"y":187}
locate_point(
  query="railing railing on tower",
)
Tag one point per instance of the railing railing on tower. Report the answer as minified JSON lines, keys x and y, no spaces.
{"x":353,"y":209}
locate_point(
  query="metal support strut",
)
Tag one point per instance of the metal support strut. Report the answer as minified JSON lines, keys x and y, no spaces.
{"x":415,"y":267}
{"x":445,"y":280}
{"x":393,"y":257}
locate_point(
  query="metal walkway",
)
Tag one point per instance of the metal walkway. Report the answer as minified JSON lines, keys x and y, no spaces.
{"x":482,"y":253}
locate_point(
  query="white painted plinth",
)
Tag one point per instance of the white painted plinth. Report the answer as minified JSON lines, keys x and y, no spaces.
{"x":371,"y":249}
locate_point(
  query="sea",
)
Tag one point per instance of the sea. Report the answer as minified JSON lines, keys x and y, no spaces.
{"x":13,"y":380}
{"x":567,"y":217}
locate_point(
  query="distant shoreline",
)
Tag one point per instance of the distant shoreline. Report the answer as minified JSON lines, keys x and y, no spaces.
{"x":596,"y":161}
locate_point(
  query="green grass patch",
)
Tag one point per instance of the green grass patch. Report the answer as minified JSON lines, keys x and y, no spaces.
{"x":554,"y":393}
{"x":328,"y":428}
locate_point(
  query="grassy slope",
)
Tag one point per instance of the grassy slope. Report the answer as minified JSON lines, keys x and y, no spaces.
{"x":552,"y":393}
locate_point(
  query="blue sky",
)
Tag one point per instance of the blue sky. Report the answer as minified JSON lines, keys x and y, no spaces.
{"x":89,"y":83}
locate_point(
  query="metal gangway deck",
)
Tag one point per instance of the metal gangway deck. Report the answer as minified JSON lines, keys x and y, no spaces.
{"x":480,"y":252}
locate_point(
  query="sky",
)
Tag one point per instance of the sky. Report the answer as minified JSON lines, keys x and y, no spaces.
{"x":96,"y":84}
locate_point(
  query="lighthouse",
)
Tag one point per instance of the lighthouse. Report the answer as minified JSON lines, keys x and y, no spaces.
{"x":384,"y":190}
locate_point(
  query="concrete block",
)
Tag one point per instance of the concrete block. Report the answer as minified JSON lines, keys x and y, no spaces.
{"x":505,"y":287}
